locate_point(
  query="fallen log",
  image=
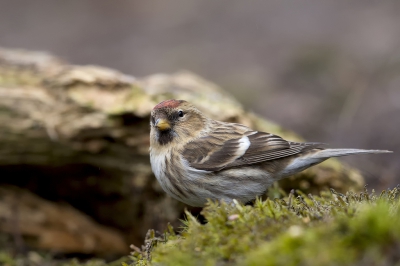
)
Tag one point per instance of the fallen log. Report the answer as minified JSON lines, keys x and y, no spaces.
{"x":80,"y":134}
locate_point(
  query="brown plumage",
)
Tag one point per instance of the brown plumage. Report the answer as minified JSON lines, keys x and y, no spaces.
{"x":196,"y":158}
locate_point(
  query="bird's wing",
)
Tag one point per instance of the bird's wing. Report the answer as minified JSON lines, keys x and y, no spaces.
{"x":228,"y":147}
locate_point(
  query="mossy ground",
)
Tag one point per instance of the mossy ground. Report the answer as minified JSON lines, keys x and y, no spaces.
{"x":329,"y":229}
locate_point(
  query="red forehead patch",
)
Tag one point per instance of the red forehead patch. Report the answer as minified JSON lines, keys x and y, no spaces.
{"x":168,"y":103}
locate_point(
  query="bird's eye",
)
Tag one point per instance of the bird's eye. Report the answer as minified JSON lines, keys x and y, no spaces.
{"x":180,"y":113}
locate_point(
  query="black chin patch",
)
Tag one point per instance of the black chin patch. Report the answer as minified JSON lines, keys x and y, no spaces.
{"x":165,"y":137}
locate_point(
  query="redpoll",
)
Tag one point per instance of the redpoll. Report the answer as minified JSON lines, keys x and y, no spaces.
{"x":195,"y":158}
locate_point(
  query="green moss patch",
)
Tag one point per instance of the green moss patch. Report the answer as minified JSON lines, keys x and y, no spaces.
{"x":330,"y":229}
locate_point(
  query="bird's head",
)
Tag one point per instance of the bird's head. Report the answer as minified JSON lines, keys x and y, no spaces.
{"x":175,"y":121}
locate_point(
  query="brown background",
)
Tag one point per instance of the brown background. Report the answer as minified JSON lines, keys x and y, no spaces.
{"x":329,"y":70}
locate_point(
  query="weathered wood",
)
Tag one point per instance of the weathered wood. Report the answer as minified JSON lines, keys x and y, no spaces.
{"x":54,"y":227}
{"x":80,"y":134}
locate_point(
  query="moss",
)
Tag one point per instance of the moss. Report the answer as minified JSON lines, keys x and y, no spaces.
{"x":330,"y":229}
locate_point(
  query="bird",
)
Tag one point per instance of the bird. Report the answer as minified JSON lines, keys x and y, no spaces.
{"x":196,"y":158}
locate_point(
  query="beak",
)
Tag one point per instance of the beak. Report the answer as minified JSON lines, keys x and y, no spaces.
{"x":162,"y":124}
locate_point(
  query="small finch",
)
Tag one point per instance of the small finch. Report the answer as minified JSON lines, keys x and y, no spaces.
{"x":195,"y":158}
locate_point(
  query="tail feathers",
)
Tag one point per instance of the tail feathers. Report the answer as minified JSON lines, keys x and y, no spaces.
{"x":327,"y":153}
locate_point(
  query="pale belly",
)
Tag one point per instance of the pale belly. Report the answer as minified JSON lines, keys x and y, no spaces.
{"x":245,"y":183}
{"x":196,"y":186}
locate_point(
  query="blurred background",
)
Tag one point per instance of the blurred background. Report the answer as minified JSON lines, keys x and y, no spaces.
{"x":329,"y":70}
